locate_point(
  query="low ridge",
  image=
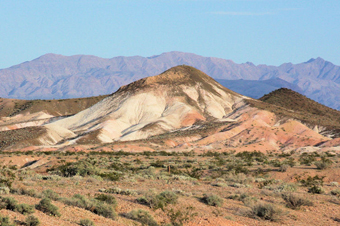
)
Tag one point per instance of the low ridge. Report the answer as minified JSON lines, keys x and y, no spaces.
{"x":288,"y":103}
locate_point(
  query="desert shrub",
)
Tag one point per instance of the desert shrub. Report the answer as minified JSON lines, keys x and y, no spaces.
{"x":93,"y":205}
{"x":294,"y":201}
{"x":86,"y":222}
{"x":111,"y":176}
{"x":324,"y":163}
{"x":25,"y":208}
{"x":50,"y":194}
{"x":8,"y":203}
{"x":316,"y":190}
{"x":78,"y":201}
{"x":287,"y":187}
{"x":104,"y":210}
{"x":194,"y":172}
{"x":334,"y":184}
{"x":109,"y":199}
{"x":290,"y":162}
{"x":265,"y":211}
{"x":275,"y":163}
{"x":12,"y":204}
{"x":117,"y":190}
{"x":81,"y":168}
{"x":266,"y":183}
{"x":32,"y":221}
{"x":237,"y":167}
{"x":4,"y":221}
{"x":158,"y":201}
{"x":249,"y":157}
{"x":212,"y":200}
{"x":307,"y":159}
{"x":336,"y":192}
{"x":47,"y":207}
{"x":27,"y":192}
{"x":4,"y":190}
{"x":7,"y":176}
{"x":284,"y":168}
{"x":180,"y":216}
{"x":314,"y":184}
{"x":142,"y":216}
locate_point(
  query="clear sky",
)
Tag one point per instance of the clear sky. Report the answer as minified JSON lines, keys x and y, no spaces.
{"x":260,"y":31}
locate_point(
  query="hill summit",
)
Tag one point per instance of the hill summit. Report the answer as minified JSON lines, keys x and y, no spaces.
{"x":177,"y":98}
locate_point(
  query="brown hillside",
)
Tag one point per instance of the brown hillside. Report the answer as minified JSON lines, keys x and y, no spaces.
{"x":287,"y":103}
{"x":11,"y":107}
{"x":175,"y":76}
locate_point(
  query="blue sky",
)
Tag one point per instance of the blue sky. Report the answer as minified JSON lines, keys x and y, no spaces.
{"x":260,"y":31}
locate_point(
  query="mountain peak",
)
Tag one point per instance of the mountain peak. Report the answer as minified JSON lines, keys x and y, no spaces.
{"x":317,"y":60}
{"x":173,"y":77}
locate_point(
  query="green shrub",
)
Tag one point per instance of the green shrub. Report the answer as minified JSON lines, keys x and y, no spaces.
{"x":32,"y":221}
{"x":24,"y":191}
{"x":25,"y":209}
{"x":8,"y":203}
{"x":324,"y":163}
{"x":316,"y":190}
{"x":109,"y":199}
{"x":212,"y":200}
{"x":81,"y":168}
{"x":336,"y":192}
{"x":4,"y":190}
{"x":294,"y":201}
{"x":104,"y":210}
{"x":47,"y":207}
{"x":86,"y":222}
{"x":311,"y":181}
{"x":265,"y":211}
{"x":111,"y":176}
{"x":4,"y":221}
{"x":180,"y":216}
{"x":117,"y":190}
{"x":307,"y":159}
{"x":93,"y":205}
{"x":158,"y":201}
{"x":50,"y":194}
{"x":237,"y":167}
{"x":284,"y":168}
{"x":142,"y":216}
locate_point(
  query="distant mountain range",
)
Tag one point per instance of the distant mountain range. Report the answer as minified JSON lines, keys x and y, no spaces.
{"x":56,"y":76}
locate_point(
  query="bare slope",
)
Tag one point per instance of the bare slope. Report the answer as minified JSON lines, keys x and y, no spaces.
{"x":15,"y":114}
{"x":179,"y":97}
{"x":286,"y":102}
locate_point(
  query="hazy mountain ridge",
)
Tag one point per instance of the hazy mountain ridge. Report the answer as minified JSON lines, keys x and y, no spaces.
{"x":56,"y":76}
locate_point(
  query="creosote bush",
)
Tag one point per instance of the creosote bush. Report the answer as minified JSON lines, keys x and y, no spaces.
{"x":212,"y":200}
{"x":158,"y":201}
{"x":4,"y":221}
{"x":47,"y":207}
{"x":109,"y":199}
{"x":25,"y":208}
{"x":294,"y":201}
{"x":98,"y":207}
{"x":81,"y":168}
{"x":265,"y":211}
{"x":32,"y":221}
{"x":142,"y":216}
{"x":180,"y":216}
{"x":324,"y":163}
{"x":50,"y":194}
{"x":86,"y":222}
